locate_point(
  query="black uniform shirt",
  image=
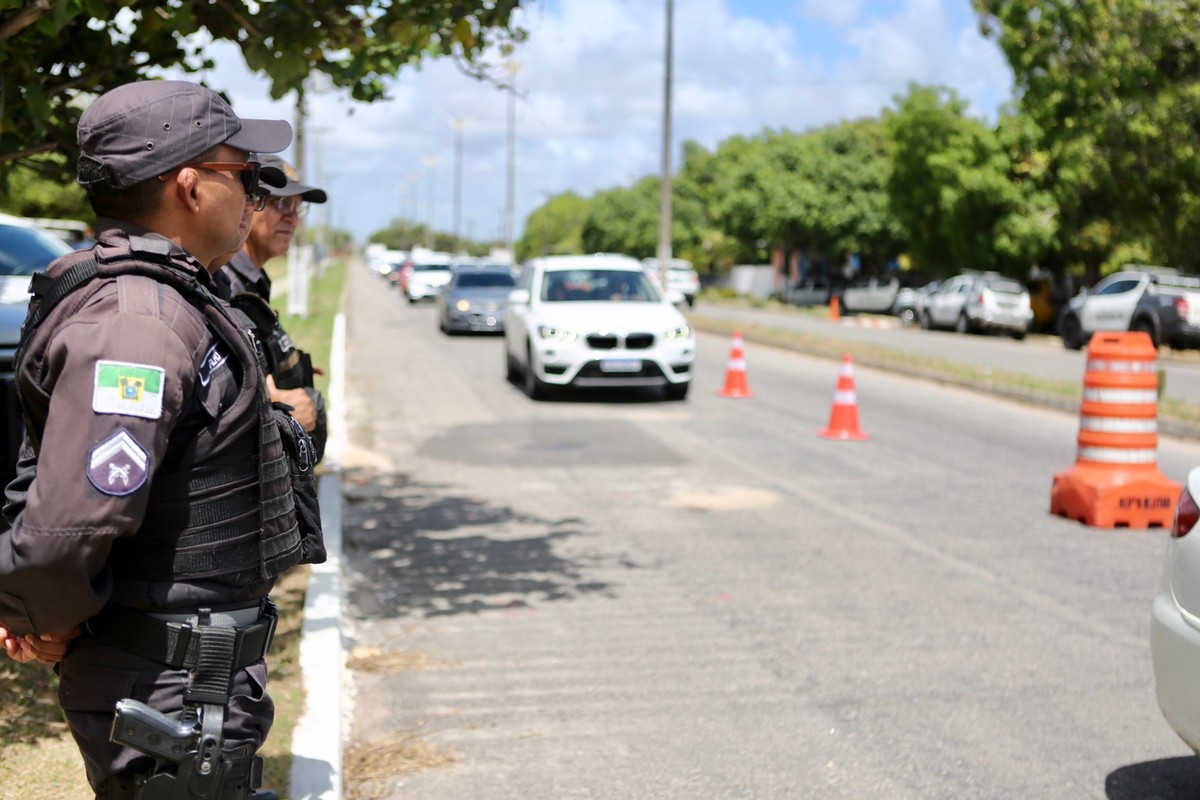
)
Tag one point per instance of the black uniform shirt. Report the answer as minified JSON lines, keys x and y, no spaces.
{"x":112,"y":380}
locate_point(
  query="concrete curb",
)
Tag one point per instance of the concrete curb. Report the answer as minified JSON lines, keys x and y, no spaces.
{"x":317,"y":739}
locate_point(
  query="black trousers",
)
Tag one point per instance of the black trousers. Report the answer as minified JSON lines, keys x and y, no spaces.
{"x":95,"y":675}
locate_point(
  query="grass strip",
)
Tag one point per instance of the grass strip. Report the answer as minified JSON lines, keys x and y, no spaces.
{"x":1176,"y":417}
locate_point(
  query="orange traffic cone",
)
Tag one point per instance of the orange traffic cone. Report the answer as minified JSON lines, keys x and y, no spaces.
{"x":735,"y":373}
{"x":1115,"y":481}
{"x":843,"y":420}
{"x":835,"y":308}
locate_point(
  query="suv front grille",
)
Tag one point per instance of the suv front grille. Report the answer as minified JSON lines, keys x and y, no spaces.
{"x":609,"y":341}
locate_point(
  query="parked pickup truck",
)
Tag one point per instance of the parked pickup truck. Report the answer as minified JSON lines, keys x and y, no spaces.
{"x":1165,"y":306}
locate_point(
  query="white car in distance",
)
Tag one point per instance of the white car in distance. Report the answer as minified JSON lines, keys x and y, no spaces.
{"x":683,"y":282}
{"x":597,"y":322}
{"x":430,"y":272}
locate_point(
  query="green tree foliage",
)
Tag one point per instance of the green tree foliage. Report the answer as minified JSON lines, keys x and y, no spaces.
{"x":1114,"y":86}
{"x":711,"y":248}
{"x":38,"y":189}
{"x":402,"y":234}
{"x":555,"y":228}
{"x":825,"y":189}
{"x":627,"y":221}
{"x":624,"y":220}
{"x":966,"y":193}
{"x":53,"y":51}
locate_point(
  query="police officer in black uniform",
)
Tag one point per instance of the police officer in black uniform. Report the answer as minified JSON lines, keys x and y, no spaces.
{"x":244,"y":282}
{"x":162,"y":495}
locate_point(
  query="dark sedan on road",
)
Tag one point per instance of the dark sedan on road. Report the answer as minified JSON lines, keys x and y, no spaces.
{"x":475,"y":299}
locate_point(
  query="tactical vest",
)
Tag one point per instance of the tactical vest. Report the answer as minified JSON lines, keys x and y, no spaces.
{"x":248,"y":528}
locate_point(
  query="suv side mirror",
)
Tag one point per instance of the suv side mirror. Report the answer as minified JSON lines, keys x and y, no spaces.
{"x":518,"y":297}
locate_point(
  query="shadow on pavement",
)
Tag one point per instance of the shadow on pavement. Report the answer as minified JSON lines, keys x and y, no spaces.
{"x":1164,"y":779}
{"x":409,"y":549}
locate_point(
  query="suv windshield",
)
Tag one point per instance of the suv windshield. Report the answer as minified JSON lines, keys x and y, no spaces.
{"x":484,"y":279}
{"x":431,"y":267}
{"x":23,"y":250}
{"x":591,"y":285}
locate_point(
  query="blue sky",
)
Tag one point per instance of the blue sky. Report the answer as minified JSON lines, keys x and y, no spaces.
{"x":590,"y":79}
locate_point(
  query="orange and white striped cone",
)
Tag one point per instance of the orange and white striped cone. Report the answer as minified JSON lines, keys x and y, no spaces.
{"x":843,"y":419}
{"x":735,"y":372}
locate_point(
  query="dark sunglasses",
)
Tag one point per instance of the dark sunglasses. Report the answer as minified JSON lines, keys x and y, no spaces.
{"x":247,"y":173}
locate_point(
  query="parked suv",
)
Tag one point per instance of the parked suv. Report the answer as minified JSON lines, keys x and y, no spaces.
{"x":1164,"y":305}
{"x":25,"y":248}
{"x":980,"y":301}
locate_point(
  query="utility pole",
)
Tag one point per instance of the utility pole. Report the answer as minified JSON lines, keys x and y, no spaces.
{"x":509,"y":210}
{"x":299,"y":137}
{"x":664,"y":220}
{"x":459,"y":124}
{"x":430,"y":163}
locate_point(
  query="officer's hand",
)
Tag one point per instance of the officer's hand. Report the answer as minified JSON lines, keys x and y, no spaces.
{"x":303,"y":410}
{"x":49,"y":648}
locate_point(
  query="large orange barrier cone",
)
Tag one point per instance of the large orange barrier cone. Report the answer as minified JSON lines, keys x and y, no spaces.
{"x":835,"y":308}
{"x":843,"y":419}
{"x":1115,"y":481}
{"x":735,"y":372}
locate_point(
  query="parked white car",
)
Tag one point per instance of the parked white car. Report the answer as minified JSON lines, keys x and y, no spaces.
{"x":1175,"y":620}
{"x":683,"y":282}
{"x":595,"y":321}
{"x":980,"y":301}
{"x":430,"y":272}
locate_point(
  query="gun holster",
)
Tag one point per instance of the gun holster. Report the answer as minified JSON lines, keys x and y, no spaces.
{"x":189,"y":762}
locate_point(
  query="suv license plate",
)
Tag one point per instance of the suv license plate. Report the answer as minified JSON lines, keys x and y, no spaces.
{"x":620,"y":365}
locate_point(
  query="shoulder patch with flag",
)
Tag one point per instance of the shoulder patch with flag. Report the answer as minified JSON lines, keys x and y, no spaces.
{"x":132,"y":389}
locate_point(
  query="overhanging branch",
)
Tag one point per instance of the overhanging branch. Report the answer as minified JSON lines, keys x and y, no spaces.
{"x":23,"y":18}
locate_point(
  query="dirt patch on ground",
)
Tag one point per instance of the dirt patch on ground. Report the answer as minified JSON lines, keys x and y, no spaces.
{"x":369,"y":767}
{"x":371,"y":659}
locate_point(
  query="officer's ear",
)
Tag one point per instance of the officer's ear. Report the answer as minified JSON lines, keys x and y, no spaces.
{"x":183,"y":186}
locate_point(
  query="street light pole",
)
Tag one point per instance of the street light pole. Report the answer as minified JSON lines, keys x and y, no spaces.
{"x":664,"y":220}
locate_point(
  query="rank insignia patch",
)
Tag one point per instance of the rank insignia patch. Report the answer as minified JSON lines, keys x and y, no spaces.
{"x":133,"y":389}
{"x":119,"y":465}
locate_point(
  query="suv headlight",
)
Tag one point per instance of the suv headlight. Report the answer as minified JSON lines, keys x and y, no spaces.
{"x":556,"y":334}
{"x":676,"y":334}
{"x":463,"y":305}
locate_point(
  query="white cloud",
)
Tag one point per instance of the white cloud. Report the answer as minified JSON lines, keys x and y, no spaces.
{"x":839,"y":13}
{"x":590,"y":111}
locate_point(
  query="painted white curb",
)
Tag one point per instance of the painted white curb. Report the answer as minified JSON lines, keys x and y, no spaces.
{"x":317,"y":739}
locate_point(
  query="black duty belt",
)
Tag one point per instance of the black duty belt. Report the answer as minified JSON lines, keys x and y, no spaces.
{"x":174,"y":639}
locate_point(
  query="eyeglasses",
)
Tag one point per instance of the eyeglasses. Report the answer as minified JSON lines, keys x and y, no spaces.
{"x":247,"y":173}
{"x":260,"y":198}
{"x":288,"y":205}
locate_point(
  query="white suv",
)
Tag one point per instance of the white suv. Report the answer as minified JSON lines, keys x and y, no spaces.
{"x":595,"y":321}
{"x":683,"y":282}
{"x":430,"y":272}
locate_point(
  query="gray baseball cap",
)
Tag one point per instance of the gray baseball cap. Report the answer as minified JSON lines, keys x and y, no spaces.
{"x":137,"y":131}
{"x":293,"y":186}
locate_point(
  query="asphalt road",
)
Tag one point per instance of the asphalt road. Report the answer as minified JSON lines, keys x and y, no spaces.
{"x":626,"y":598}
